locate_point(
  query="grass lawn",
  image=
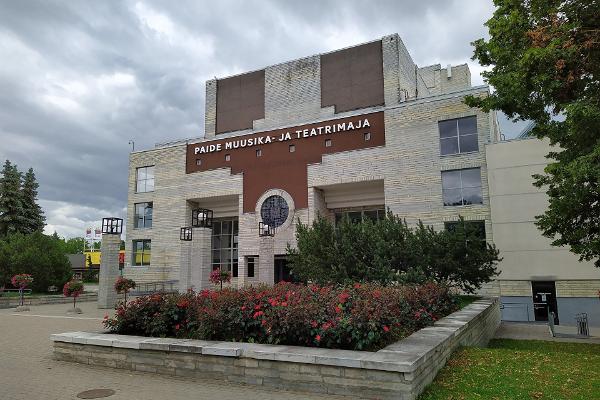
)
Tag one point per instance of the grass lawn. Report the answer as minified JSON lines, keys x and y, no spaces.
{"x":520,"y":369}
{"x":466,"y":299}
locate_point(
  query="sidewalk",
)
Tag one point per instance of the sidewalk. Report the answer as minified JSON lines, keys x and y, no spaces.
{"x":28,"y":371}
{"x":540,"y":331}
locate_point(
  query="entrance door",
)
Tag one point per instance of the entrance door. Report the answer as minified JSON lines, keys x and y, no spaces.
{"x":282,"y":271}
{"x":544,"y":300}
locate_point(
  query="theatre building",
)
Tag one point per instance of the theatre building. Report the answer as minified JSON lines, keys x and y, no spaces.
{"x":352,"y":132}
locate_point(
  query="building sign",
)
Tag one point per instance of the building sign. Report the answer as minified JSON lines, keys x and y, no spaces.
{"x":279,"y":159}
{"x":240,"y":143}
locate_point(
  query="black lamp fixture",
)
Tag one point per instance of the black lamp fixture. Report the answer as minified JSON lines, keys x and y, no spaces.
{"x":112,"y":226}
{"x":265,"y":230}
{"x":202,"y":218}
{"x":186,"y":234}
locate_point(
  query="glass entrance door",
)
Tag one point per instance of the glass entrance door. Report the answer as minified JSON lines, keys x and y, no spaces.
{"x":544,"y":300}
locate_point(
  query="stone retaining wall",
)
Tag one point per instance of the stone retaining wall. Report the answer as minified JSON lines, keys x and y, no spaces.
{"x":399,"y":371}
{"x":8,"y":302}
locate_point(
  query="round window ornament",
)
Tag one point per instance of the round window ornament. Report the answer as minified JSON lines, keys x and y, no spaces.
{"x":274,"y":211}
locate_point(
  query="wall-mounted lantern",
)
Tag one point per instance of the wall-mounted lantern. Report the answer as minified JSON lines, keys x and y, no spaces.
{"x":265,"y":230}
{"x":112,"y":226}
{"x":186,"y":233}
{"x":202,"y":218}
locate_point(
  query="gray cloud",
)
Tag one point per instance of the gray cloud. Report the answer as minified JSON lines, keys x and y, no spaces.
{"x":78,"y":80}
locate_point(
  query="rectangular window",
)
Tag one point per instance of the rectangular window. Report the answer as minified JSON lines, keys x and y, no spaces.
{"x":143,"y":215}
{"x":356,"y":216}
{"x":458,"y":135}
{"x":141,"y":252}
{"x":198,"y":161}
{"x":292,"y":148}
{"x":224,"y":245}
{"x":251,"y":261}
{"x":327,"y":142}
{"x":367,"y":136}
{"x":227,"y":157}
{"x":462,"y":187}
{"x":258,"y":152}
{"x":144,"y":179}
{"x":476,"y":227}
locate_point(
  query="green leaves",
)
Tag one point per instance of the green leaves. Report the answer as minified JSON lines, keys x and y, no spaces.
{"x":390,"y":251}
{"x":545,"y":59}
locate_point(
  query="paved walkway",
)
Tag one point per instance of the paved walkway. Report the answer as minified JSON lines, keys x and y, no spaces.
{"x":537,"y":331}
{"x":27,"y":370}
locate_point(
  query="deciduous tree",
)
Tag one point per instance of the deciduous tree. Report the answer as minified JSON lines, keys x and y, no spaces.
{"x":545,"y":63}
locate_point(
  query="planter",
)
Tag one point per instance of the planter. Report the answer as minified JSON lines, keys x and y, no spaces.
{"x":399,"y":371}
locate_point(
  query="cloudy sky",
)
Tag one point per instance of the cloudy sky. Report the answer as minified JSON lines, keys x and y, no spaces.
{"x":80,"y":79}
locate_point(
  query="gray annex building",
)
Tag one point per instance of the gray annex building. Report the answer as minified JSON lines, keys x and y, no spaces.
{"x":354,"y":132}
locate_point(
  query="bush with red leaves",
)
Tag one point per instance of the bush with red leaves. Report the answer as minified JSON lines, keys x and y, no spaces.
{"x":358,"y":317}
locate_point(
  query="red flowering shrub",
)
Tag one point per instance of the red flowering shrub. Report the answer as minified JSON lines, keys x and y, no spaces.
{"x":124,"y":285}
{"x":73,"y":289}
{"x":359,"y":317}
{"x":21,"y":281}
{"x":218,"y":276}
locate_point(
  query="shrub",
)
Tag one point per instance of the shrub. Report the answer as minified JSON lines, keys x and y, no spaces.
{"x":73,"y":289}
{"x":124,"y":285}
{"x":390,"y":251}
{"x":218,"y":276}
{"x":35,"y":254}
{"x":359,"y":317}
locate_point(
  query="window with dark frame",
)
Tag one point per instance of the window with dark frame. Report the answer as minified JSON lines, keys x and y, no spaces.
{"x":292,"y":148}
{"x":327,"y":142}
{"x":141,"y":252}
{"x":357,"y":216}
{"x":251,"y":262}
{"x":462,"y":187}
{"x":367,"y":136}
{"x":224,"y":244}
{"x":458,"y":135}
{"x":143,"y":215}
{"x":470,"y":227}
{"x":258,"y":152}
{"x":144,"y":179}
{"x":198,"y":161}
{"x":227,"y":157}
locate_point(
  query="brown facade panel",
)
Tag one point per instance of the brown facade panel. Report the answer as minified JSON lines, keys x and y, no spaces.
{"x":277,"y":167}
{"x":240,"y":101}
{"x":353,"y":78}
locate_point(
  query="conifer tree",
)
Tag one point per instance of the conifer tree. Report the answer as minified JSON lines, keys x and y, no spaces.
{"x":33,"y":216}
{"x":11,"y":204}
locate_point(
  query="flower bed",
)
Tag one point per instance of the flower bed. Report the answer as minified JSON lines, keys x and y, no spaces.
{"x":361,"y":317}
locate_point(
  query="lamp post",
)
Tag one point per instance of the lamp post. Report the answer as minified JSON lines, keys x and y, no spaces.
{"x":202,"y":218}
{"x":265,"y":230}
{"x":112,"y":228}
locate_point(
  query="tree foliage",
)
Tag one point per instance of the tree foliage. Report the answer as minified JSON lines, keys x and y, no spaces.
{"x":545,"y":59}
{"x":33,"y":216}
{"x":11,"y":204}
{"x":19,"y":210}
{"x":36,"y":254}
{"x":389,"y":251}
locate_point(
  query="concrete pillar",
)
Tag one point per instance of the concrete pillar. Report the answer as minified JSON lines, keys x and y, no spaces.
{"x":109,"y":270}
{"x":266,"y":260}
{"x":185,"y":266}
{"x":200,"y":265}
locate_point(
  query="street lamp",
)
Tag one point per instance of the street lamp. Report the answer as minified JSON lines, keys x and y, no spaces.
{"x":112,"y":226}
{"x":202,"y":218}
{"x":186,"y":233}
{"x":265,"y":230}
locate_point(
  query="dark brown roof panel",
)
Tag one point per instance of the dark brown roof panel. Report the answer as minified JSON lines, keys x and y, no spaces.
{"x":353,"y":78}
{"x":240,"y":101}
